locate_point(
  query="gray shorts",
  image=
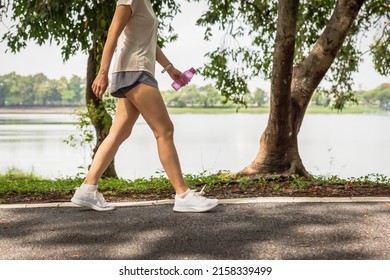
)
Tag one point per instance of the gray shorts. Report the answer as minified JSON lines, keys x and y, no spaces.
{"x":122,"y":82}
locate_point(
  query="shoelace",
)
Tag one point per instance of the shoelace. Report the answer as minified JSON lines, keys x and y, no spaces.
{"x":200,"y":194}
{"x":100,"y":199}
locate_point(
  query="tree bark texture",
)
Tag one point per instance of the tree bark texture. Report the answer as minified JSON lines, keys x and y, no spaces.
{"x":308,"y":74}
{"x":293,"y":87}
{"x":100,"y":119}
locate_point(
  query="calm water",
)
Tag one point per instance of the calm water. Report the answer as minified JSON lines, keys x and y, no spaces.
{"x":343,"y":145}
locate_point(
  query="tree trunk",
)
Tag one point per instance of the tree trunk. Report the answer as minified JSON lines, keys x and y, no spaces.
{"x":292,"y":88}
{"x":100,"y":119}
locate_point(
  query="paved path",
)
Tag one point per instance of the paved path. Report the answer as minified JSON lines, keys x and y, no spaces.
{"x":262,"y":230}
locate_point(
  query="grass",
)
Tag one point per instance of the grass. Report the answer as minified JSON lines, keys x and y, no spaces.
{"x":15,"y":181}
{"x":17,"y":186}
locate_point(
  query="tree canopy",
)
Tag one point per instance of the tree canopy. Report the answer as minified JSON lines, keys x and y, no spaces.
{"x":74,"y":25}
{"x":248,"y":47}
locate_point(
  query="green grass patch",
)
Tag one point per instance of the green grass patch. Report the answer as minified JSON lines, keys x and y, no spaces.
{"x":15,"y":181}
{"x":18,"y":186}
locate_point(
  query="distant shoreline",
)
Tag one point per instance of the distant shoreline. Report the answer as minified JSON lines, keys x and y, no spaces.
{"x":192,"y":110}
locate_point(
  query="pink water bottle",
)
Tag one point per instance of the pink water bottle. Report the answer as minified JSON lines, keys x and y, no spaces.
{"x":185,"y":79}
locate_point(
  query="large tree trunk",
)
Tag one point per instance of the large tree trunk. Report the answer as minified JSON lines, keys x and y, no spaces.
{"x":100,"y":119}
{"x":292,"y":89}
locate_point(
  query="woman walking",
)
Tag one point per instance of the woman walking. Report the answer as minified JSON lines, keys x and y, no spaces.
{"x":133,"y":33}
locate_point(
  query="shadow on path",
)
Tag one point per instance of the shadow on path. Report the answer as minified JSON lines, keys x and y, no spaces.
{"x":250,"y":231}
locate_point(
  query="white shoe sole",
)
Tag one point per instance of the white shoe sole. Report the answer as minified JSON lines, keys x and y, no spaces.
{"x":194,"y":209}
{"x":90,"y":205}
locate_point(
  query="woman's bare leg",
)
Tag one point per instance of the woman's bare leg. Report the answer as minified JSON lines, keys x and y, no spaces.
{"x":147,"y":99}
{"x":125,"y":117}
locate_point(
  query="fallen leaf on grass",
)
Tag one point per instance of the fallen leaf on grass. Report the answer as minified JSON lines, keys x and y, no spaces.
{"x":312,"y":189}
{"x":236,"y":190}
{"x":288,"y":189}
{"x":264,"y":186}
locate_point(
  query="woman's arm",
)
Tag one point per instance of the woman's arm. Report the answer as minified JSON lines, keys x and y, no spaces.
{"x":164,"y":62}
{"x":121,"y":16}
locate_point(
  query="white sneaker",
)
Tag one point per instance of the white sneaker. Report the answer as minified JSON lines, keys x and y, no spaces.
{"x":91,"y":199}
{"x":194,"y":202}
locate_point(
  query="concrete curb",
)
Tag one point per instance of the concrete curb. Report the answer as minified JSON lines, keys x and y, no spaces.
{"x":222,"y":201}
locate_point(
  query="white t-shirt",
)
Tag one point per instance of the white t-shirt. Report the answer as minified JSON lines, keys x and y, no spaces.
{"x":136,"y":46}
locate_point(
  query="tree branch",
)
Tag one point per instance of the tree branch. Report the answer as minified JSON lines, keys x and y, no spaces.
{"x":312,"y":70}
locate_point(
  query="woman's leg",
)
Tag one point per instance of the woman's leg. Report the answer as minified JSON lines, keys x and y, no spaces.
{"x":147,"y":99}
{"x":125,"y":117}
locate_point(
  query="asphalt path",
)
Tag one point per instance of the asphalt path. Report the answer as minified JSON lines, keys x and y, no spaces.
{"x":272,"y":230}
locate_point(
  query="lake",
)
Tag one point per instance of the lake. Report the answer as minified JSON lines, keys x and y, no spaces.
{"x":330,"y":144}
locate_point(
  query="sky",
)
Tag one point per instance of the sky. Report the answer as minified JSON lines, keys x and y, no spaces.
{"x":188,"y":51}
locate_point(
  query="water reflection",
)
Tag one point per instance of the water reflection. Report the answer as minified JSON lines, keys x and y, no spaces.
{"x":343,"y":145}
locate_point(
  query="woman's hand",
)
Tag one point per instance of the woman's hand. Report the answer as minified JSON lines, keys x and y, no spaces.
{"x":100,"y":85}
{"x":174,"y":73}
